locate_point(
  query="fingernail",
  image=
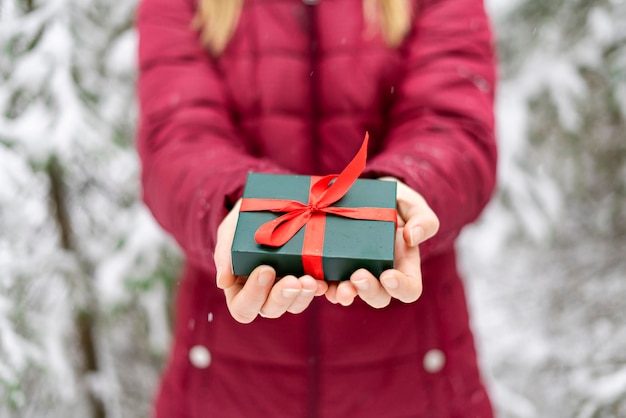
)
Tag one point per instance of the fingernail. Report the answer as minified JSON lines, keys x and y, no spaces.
{"x":290,"y":293}
{"x":390,"y":282}
{"x":361,"y":284}
{"x":307,"y":292}
{"x":417,"y":234}
{"x":264,"y":278}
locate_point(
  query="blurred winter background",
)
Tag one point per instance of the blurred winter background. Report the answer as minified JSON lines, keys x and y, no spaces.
{"x":86,"y":276}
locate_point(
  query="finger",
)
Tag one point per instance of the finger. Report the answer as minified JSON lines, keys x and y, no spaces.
{"x":370,"y":289}
{"x":346,"y":293}
{"x":415,"y":215}
{"x":246,"y":297}
{"x":401,"y":286}
{"x":421,"y":223}
{"x":221,"y":256}
{"x":331,"y":292}
{"x":303,"y":300}
{"x":322,"y":287}
{"x":407,"y":259}
{"x":405,"y":281}
{"x":282,"y":295}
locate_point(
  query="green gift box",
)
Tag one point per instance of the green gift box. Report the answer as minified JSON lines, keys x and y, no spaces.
{"x":331,"y":239}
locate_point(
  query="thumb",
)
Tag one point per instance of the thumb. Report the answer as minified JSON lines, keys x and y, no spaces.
{"x":222,"y":256}
{"x":420,"y":222}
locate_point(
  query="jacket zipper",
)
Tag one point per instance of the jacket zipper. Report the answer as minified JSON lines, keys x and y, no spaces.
{"x":314,"y":372}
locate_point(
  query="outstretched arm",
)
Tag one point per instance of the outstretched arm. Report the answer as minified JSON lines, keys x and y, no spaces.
{"x":194,"y":161}
{"x":441,"y":140}
{"x":440,"y":144}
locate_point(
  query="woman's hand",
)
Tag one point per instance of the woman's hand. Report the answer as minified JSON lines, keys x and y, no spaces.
{"x":416,"y":223}
{"x":260,"y":293}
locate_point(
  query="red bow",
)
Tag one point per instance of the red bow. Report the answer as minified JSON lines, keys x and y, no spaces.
{"x":323,"y":193}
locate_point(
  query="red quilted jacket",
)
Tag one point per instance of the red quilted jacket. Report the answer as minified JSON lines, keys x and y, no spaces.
{"x":294,"y":92}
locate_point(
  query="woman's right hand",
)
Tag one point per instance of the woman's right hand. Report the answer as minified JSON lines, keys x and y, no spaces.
{"x":260,"y":293}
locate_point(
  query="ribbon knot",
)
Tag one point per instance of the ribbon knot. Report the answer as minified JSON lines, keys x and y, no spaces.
{"x":324,"y":192}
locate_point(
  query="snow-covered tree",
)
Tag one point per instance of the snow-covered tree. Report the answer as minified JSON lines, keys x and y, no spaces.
{"x":564,"y":72}
{"x":84,"y":272}
{"x":548,"y":261}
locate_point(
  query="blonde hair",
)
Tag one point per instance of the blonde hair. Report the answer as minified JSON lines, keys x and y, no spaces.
{"x":217,"y":20}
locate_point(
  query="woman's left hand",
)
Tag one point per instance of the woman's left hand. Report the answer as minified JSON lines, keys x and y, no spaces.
{"x":416,"y":223}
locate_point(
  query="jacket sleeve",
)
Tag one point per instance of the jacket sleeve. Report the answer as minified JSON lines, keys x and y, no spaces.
{"x":194,"y":161}
{"x":441,"y":138}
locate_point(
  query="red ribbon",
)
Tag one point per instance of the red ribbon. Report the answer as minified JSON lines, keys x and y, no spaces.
{"x":323,"y":193}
